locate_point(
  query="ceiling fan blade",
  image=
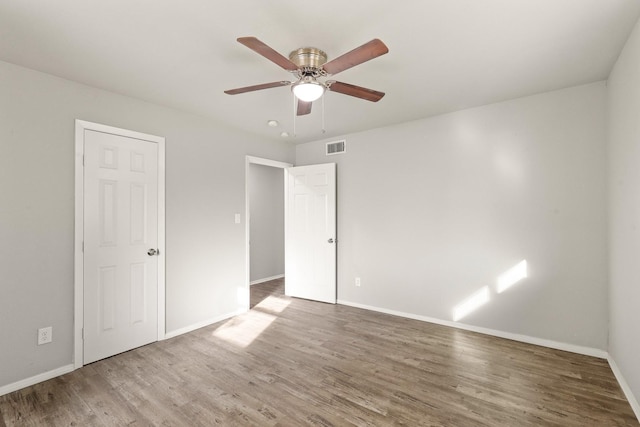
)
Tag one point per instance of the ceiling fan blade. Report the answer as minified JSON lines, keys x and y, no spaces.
{"x":264,"y":50}
{"x":304,"y":108}
{"x":361,"y":54}
{"x":357,"y":91}
{"x":256,"y":87}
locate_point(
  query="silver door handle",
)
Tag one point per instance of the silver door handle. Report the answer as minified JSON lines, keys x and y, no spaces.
{"x":330,"y":240}
{"x":152,"y":252}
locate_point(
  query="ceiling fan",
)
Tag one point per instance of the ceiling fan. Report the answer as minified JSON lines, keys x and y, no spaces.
{"x":310,"y":64}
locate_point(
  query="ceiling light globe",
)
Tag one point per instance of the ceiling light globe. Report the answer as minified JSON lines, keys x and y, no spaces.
{"x":308,"y":90}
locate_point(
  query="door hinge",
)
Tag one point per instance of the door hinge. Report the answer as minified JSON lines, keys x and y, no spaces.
{"x":83,"y":246}
{"x":83,"y":160}
{"x":82,"y":333}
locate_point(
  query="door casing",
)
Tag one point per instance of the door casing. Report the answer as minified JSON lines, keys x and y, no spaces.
{"x":81,"y":126}
{"x":244,"y":299}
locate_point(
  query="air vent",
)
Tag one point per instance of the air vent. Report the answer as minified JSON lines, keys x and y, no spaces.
{"x":336,"y":147}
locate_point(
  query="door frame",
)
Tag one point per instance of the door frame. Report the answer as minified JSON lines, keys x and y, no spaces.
{"x":249,"y":160}
{"x":78,"y":320}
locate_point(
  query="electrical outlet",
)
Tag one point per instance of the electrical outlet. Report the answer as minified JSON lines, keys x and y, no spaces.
{"x":357,"y":281}
{"x":45,"y":335}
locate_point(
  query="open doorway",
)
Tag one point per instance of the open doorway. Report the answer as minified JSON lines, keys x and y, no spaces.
{"x":265,"y":204}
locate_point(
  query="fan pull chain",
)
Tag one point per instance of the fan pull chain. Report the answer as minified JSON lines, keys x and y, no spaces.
{"x":294,"y":115}
{"x":324,"y":130}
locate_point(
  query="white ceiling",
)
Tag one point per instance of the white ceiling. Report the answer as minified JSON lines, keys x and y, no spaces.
{"x":444,"y":55}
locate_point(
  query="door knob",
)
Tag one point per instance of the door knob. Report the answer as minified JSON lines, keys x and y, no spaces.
{"x":330,"y":240}
{"x":152,"y":252}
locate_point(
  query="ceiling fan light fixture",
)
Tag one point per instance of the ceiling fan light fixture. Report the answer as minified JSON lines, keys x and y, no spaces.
{"x":308,"y":89}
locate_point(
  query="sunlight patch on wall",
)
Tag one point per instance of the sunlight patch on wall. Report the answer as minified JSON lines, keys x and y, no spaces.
{"x":476,"y":300}
{"x":243,"y":330}
{"x":242,"y":295}
{"x":511,"y":276}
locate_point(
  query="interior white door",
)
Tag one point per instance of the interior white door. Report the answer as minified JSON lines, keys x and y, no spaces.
{"x":120,"y":235}
{"x":310,"y":242}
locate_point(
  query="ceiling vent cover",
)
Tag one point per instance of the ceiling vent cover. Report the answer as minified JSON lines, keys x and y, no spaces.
{"x":336,"y":147}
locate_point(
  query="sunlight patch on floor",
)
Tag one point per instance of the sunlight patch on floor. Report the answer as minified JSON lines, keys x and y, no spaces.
{"x":274,"y":304}
{"x":243,"y":330}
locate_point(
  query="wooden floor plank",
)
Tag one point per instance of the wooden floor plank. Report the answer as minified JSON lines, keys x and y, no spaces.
{"x":295,"y":362}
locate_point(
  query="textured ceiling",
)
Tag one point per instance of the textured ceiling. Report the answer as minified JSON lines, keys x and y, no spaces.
{"x":444,"y":55}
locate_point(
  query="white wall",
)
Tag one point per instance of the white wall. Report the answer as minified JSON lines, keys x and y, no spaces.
{"x":205,"y":187}
{"x":266,"y":185}
{"x":431,"y":211}
{"x":623,"y":120}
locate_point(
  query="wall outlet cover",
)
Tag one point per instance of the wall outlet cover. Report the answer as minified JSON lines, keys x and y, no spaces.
{"x":45,"y":335}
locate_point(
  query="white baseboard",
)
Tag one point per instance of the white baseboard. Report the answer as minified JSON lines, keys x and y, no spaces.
{"x":266,"y":279}
{"x":9,"y":388}
{"x":624,"y":386}
{"x":18,"y":385}
{"x":204,"y":323}
{"x":588,"y":351}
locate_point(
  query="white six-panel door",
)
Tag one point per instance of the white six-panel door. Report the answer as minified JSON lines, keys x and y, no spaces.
{"x":310,"y":242}
{"x":120,"y":235}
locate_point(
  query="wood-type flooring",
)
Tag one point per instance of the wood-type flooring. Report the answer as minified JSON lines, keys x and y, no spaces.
{"x":291,"y":362}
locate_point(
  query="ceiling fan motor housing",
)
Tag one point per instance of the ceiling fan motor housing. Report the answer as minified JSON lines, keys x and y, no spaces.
{"x":308,"y":58}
